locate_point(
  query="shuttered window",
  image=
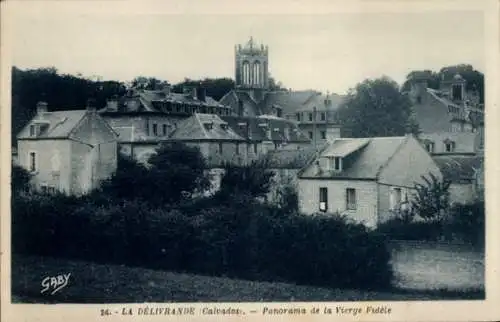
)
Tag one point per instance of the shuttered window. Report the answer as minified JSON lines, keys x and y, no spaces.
{"x":323,"y":199}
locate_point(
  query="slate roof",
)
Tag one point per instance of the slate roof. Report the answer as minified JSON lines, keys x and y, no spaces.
{"x":342,"y":148}
{"x":437,"y":117}
{"x":146,"y":99}
{"x":365,"y":163}
{"x":465,"y":142}
{"x":458,"y":168}
{"x":58,"y":124}
{"x":194,"y":128}
{"x":258,"y":128}
{"x":289,"y":101}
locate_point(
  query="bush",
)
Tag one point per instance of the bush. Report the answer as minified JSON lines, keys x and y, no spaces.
{"x":240,"y":238}
{"x":465,"y":224}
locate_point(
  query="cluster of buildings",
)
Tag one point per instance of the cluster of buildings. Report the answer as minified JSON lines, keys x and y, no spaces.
{"x":368,"y":179}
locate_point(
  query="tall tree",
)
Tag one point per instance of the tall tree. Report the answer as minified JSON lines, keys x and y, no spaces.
{"x":376,"y":107}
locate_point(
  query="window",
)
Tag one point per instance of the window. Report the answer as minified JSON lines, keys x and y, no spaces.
{"x":323,"y":199}
{"x":32,"y":165}
{"x":155,"y":129}
{"x":323,"y":116}
{"x":278,"y":112}
{"x":337,"y":163}
{"x":429,"y":146}
{"x":395,"y":197}
{"x":237,"y":148}
{"x":220,"y":147}
{"x":450,"y":146}
{"x":323,"y":135}
{"x":298,"y":117}
{"x":310,"y":135}
{"x":164,"y":129}
{"x":419,"y":99}
{"x":255,"y":148}
{"x":32,"y":130}
{"x":350,"y":199}
{"x":310,"y":117}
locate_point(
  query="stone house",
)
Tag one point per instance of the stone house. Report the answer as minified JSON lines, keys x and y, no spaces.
{"x":451,"y":108}
{"x":367,"y":179}
{"x":67,"y":151}
{"x":144,"y":118}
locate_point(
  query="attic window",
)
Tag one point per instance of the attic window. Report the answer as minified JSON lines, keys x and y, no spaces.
{"x":223,"y":126}
{"x":429,"y":146}
{"x":336,"y":164}
{"x":32,"y":130}
{"x":449,"y":146}
{"x":208,"y":126}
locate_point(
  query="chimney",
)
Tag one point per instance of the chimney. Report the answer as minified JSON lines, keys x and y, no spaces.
{"x":166,"y":89}
{"x":202,"y":94}
{"x":194,"y":93}
{"x":91,"y":105}
{"x":41,"y":107}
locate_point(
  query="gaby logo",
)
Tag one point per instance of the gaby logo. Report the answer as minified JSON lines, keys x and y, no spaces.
{"x":55,"y":283}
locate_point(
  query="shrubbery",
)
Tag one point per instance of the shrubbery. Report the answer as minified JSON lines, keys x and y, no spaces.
{"x":252,"y":241}
{"x":463,"y":223}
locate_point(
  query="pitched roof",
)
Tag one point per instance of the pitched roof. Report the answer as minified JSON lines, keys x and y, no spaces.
{"x":342,"y":148}
{"x":57,"y":124}
{"x":436,"y":117}
{"x":366,"y":163}
{"x":144,"y":100}
{"x":282,"y":130}
{"x":290,"y":159}
{"x":458,"y":168}
{"x":204,"y":127}
{"x":465,"y":142}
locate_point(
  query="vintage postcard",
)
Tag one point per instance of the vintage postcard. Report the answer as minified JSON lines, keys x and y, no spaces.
{"x":297,"y":160}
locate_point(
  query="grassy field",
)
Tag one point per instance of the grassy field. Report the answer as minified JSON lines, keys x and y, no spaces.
{"x":95,"y":283}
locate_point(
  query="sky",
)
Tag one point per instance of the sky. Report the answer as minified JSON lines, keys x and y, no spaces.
{"x":326,"y":52}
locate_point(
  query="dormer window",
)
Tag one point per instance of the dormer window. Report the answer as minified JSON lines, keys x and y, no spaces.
{"x":449,"y":146}
{"x":429,"y":146}
{"x":298,"y":117}
{"x":223,"y":126}
{"x":336,"y":164}
{"x":208,"y":126}
{"x":32,"y":130}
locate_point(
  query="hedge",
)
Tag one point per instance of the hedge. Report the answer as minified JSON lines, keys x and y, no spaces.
{"x":232,"y":238}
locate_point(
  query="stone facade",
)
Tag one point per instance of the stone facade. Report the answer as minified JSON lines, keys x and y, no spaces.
{"x":68,"y":151}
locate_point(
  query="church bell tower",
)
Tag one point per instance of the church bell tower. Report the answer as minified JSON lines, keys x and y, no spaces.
{"x":251,"y":66}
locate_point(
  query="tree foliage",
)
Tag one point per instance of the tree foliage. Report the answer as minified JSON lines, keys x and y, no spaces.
{"x":214,"y":87}
{"x":173,"y":173}
{"x":431,"y":199}
{"x":253,"y":179}
{"x":474,"y":78}
{"x":60,"y":91}
{"x":376,"y":107}
{"x":20,"y":178}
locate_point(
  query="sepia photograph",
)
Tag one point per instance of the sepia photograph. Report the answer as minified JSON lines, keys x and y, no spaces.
{"x":188,"y":158}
